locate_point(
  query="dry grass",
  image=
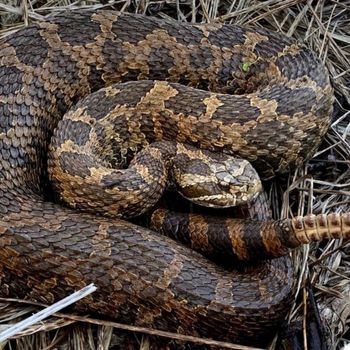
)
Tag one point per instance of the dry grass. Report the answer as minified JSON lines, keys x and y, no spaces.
{"x":323,"y":184}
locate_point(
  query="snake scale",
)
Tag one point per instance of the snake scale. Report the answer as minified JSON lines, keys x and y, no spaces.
{"x":270,"y":103}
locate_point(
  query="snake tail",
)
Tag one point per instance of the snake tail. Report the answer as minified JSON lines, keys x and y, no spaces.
{"x":306,"y":229}
{"x":230,"y":239}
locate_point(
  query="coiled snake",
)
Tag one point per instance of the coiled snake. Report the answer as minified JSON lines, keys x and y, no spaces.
{"x":276,"y":119}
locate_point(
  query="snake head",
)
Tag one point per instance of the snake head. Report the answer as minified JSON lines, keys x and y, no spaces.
{"x":217,"y":181}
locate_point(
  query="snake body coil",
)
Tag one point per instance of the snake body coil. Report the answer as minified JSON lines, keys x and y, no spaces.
{"x":142,"y":278}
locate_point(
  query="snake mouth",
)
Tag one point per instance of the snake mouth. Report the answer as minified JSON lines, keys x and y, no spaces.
{"x":217,"y":201}
{"x":230,"y":198}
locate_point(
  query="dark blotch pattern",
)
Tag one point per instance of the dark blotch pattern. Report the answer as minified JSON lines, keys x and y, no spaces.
{"x":192,"y":166}
{"x":156,"y":55}
{"x":185,"y":35}
{"x":298,"y":65}
{"x":235,"y":108}
{"x":274,"y":44}
{"x":230,"y":68}
{"x":307,"y":95}
{"x":76,"y":131}
{"x":227,"y":36}
{"x":179,"y":103}
{"x":27,"y":44}
{"x":201,"y":59}
{"x":123,"y":26}
{"x":10,"y":81}
{"x":129,"y":95}
{"x":185,"y":281}
{"x":113,"y":49}
{"x":77,"y":32}
{"x":76,"y":164}
{"x":253,"y":241}
{"x":124,"y":183}
{"x":219,"y":238}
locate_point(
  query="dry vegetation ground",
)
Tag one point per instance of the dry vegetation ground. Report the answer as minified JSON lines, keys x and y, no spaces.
{"x":321,"y":186}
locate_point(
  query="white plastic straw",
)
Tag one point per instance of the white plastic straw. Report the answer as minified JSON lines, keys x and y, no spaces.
{"x":20,"y":326}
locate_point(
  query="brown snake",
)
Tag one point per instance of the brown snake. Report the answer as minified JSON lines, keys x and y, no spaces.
{"x":47,"y":251}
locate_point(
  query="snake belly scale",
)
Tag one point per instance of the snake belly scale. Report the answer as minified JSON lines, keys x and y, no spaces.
{"x":46,"y":251}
